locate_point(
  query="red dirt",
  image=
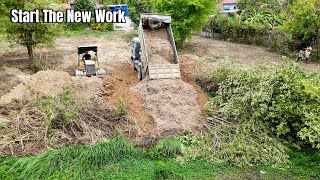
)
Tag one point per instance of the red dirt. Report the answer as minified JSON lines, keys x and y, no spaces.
{"x":117,"y":86}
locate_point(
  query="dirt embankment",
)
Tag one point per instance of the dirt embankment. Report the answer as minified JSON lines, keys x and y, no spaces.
{"x":32,"y":123}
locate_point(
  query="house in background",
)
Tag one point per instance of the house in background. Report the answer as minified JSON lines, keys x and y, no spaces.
{"x":228,"y":6}
{"x":69,"y":4}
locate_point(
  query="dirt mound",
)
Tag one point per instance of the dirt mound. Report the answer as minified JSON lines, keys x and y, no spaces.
{"x":9,"y":77}
{"x":52,"y":82}
{"x":117,"y":88}
{"x":161,"y":108}
{"x":172,"y":104}
{"x":40,"y":114}
{"x":158,"y":46}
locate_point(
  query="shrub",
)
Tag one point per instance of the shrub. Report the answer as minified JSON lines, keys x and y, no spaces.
{"x":38,"y":65}
{"x":76,"y":26}
{"x":170,"y":147}
{"x":102,"y":26}
{"x":163,"y":170}
{"x":59,"y":109}
{"x":242,"y":145}
{"x":283,"y":101}
{"x":121,"y":107}
{"x":237,"y":31}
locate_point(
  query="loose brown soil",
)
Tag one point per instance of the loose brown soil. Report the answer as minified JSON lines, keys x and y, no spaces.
{"x":172,"y":105}
{"x":117,"y":88}
{"x":158,"y":46}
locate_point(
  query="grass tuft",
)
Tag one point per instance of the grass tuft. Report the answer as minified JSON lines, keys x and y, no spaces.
{"x":167,"y":148}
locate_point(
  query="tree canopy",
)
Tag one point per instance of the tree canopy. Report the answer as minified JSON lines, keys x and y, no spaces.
{"x":187,"y":16}
{"x":29,"y":35}
{"x":273,"y":6}
{"x":303,"y":21}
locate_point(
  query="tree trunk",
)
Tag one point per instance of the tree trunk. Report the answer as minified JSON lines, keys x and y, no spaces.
{"x":30,"y":52}
{"x":318,"y":41}
{"x":183,"y":43}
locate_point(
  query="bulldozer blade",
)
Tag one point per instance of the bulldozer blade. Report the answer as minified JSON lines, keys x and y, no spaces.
{"x":79,"y":73}
{"x":101,"y":72}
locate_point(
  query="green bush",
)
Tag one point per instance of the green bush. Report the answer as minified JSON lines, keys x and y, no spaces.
{"x":283,"y":100}
{"x":167,"y":148}
{"x":62,"y":108}
{"x":243,"y":145}
{"x":102,"y":26}
{"x":234,"y":29}
{"x":76,"y":26}
{"x":38,"y":65}
{"x":163,"y":170}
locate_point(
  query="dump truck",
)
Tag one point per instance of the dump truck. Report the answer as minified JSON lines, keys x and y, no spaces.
{"x":153,"y":53}
{"x":88,"y":64}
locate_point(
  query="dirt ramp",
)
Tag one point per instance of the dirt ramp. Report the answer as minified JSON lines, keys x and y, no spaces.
{"x":172,"y":104}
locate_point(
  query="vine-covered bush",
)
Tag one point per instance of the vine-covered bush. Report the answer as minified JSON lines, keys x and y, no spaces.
{"x":234,"y":29}
{"x":284,"y":101}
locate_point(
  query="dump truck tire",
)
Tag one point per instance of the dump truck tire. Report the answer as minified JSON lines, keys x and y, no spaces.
{"x":139,"y":73}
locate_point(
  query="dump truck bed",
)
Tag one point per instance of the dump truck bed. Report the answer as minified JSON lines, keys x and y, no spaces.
{"x":159,"y":54}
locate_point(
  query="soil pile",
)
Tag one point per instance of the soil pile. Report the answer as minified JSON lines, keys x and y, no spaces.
{"x":158,"y":46}
{"x":172,"y":105}
{"x":52,"y":83}
{"x":9,"y":77}
{"x":27,"y":128}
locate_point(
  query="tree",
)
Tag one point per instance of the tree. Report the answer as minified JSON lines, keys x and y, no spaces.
{"x":30,"y":35}
{"x":304,"y":22}
{"x":84,"y":5}
{"x":137,"y":7}
{"x":262,"y":19}
{"x":187,"y":16}
{"x":273,"y":6}
{"x":5,"y":7}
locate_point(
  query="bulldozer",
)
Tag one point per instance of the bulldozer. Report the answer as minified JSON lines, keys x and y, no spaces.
{"x":88,"y":65}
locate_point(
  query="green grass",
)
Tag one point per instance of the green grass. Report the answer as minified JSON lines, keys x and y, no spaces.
{"x":118,"y":159}
{"x":83,"y":33}
{"x":115,"y":159}
{"x":305,"y":164}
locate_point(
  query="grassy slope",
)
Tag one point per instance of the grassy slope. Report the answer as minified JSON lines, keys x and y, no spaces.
{"x":118,"y":159}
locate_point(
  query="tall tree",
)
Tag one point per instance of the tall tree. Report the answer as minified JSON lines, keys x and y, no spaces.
{"x":304,"y":22}
{"x":30,"y":35}
{"x":187,"y":16}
